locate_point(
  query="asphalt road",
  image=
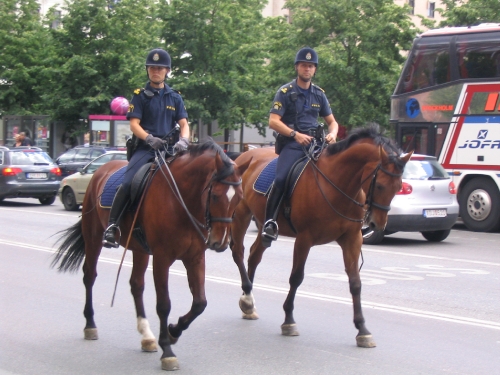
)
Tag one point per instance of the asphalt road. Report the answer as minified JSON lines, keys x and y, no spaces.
{"x":432,"y":308}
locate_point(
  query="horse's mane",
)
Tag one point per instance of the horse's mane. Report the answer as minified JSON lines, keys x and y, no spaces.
{"x":210,"y":145}
{"x":372,"y":132}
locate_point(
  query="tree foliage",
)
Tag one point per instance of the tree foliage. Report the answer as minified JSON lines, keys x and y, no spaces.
{"x":360,"y":45}
{"x":469,"y":12}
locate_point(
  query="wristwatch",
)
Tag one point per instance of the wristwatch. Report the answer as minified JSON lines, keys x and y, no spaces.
{"x":292,"y":134}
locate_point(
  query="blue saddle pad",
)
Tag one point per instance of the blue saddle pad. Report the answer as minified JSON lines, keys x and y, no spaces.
{"x":109,"y":191}
{"x":266,"y":177}
{"x":268,"y":174}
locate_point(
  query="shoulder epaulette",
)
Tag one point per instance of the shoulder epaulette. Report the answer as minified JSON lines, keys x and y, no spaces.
{"x":138,"y":91}
{"x":318,"y":87}
{"x":176,"y":91}
{"x":285,"y":88}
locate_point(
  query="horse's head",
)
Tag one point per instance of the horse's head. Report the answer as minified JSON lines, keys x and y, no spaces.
{"x":225,"y":192}
{"x":382,"y":180}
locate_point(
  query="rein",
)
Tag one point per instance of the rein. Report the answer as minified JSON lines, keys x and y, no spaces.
{"x":369,"y":198}
{"x":208,"y":217}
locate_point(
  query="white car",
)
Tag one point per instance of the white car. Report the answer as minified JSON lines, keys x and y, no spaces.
{"x":72,"y":189}
{"x":427,"y":203}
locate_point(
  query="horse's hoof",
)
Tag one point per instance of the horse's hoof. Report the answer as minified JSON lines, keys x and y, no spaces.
{"x":149,"y":345}
{"x":90,"y":334}
{"x":289,"y":330}
{"x":169,"y":364}
{"x":252,"y":316}
{"x":173,"y":340}
{"x":365,"y":341}
{"x":247,"y":305}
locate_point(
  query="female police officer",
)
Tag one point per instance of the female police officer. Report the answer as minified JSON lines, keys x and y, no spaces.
{"x":153,"y":113}
{"x":295,"y":111}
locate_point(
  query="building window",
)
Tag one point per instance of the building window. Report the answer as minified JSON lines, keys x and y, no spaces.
{"x":432,"y":6}
{"x":411,"y":3}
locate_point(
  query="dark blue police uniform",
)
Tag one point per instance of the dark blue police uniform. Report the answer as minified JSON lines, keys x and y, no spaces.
{"x":300,"y":115}
{"x":158,"y":111}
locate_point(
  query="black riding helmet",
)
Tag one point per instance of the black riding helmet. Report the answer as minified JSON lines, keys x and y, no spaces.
{"x":307,"y":54}
{"x":158,"y":57}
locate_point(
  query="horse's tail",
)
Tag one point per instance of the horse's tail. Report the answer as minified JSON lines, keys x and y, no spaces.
{"x":72,"y":250}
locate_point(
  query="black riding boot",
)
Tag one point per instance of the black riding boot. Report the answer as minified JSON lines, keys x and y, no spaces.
{"x":270,"y":230}
{"x":120,"y":203}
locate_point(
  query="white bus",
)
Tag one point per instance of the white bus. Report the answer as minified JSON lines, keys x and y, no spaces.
{"x":446,"y":104}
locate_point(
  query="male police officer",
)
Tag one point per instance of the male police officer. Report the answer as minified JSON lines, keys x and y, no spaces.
{"x":153,"y":113}
{"x":295,"y":111}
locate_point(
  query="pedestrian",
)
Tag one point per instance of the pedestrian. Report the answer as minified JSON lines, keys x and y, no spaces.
{"x":295,"y":111}
{"x":17,"y":140}
{"x":25,"y":140}
{"x":153,"y":112}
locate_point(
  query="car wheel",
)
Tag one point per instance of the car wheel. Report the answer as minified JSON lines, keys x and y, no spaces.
{"x":480,"y":205}
{"x":374,"y":238}
{"x":69,"y":200}
{"x":437,"y":235}
{"x":47,"y":200}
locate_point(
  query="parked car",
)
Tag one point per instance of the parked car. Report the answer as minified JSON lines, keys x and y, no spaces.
{"x":427,"y":202}
{"x":72,"y":188}
{"x":28,"y":172}
{"x":79,"y":156}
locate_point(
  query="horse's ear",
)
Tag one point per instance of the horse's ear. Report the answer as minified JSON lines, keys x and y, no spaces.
{"x":407,"y":157}
{"x":383,"y":155}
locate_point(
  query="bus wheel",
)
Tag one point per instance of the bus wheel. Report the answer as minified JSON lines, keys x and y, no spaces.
{"x":480,"y":205}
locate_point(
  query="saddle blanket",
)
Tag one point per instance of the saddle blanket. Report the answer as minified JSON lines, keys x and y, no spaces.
{"x":109,"y":191}
{"x":266,"y":177}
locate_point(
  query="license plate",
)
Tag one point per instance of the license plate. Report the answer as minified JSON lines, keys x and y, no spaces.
{"x":434,"y":213}
{"x":36,"y":176}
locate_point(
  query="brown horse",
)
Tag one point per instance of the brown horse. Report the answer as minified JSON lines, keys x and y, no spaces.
{"x":187,"y":207}
{"x":352,"y":182}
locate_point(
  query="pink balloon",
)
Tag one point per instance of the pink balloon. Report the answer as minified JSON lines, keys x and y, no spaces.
{"x":119,"y":105}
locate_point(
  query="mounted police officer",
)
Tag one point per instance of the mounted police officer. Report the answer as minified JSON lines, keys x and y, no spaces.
{"x":295,"y":111}
{"x":153,"y":113}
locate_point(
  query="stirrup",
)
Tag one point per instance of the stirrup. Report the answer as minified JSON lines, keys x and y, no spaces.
{"x":107,"y":232}
{"x":270,"y":230}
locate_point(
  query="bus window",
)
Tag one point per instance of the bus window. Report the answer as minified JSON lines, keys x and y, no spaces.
{"x":429,"y":67}
{"x":479,"y":60}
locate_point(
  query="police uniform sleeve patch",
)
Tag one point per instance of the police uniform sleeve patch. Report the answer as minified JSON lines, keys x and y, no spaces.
{"x":277,"y":106}
{"x":131,"y":108}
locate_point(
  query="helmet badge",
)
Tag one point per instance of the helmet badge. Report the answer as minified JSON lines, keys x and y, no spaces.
{"x":308,"y":56}
{"x":156,"y":57}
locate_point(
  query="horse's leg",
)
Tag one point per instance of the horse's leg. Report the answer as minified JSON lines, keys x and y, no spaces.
{"x":161,"y":266}
{"x":92,"y":251}
{"x":196,"y":277}
{"x":300,"y":253}
{"x":351,"y":250}
{"x":241,"y":221}
{"x":140,"y":264}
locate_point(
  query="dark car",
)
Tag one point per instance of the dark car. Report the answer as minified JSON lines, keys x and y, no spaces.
{"x":78,"y":157}
{"x":28,"y":172}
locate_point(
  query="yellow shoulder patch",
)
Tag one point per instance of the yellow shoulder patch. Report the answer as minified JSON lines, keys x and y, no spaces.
{"x":284,"y":90}
{"x":137,"y":91}
{"x":277,"y":106}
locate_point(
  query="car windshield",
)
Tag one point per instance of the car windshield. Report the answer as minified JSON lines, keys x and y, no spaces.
{"x":93,"y":166}
{"x":30,"y":158}
{"x":424,"y":170}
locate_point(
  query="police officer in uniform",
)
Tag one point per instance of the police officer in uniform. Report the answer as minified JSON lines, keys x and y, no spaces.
{"x":153,"y":113}
{"x":296,"y":108}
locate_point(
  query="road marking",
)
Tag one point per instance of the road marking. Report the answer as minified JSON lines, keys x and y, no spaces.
{"x":391,"y":252}
{"x":36,"y":212}
{"x":316,"y":296}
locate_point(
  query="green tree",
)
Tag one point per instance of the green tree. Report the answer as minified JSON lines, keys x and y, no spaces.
{"x":25,"y":46}
{"x":360,"y":45}
{"x":101,"y":48}
{"x":469,"y":12}
{"x":218,"y":52}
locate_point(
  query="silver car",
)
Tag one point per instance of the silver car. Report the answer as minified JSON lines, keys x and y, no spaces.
{"x":427,"y":202}
{"x":73,"y":188}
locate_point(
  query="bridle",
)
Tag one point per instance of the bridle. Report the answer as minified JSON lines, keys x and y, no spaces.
{"x":369,"y":202}
{"x":209,"y":219}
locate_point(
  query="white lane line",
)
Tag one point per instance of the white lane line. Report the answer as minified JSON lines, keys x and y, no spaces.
{"x":390,"y":252}
{"x":316,"y":296}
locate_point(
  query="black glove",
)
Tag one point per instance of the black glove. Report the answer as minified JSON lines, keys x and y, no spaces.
{"x":155,"y":142}
{"x":181,"y":145}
